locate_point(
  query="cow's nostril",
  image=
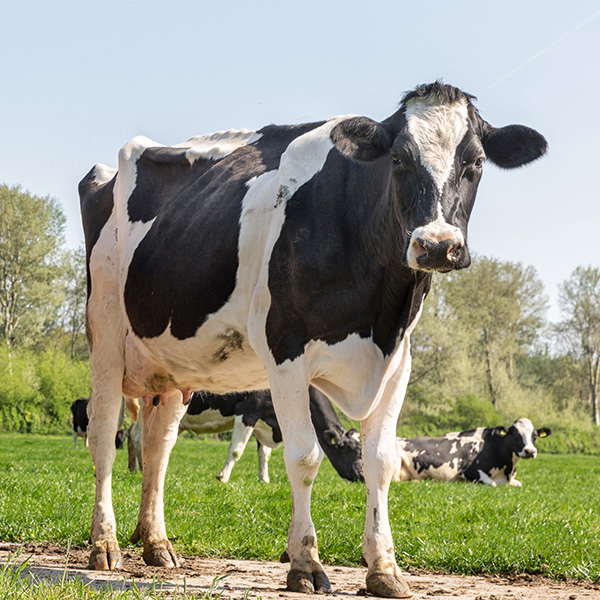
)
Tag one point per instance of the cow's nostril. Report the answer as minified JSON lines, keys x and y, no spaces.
{"x":420,"y":248}
{"x":453,"y":253}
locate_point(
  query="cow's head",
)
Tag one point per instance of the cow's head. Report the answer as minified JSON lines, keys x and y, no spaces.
{"x":344,"y":452}
{"x":522,"y":435}
{"x":438,"y":156}
{"x":430,"y":154}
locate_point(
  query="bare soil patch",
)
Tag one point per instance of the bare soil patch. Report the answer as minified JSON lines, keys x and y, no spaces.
{"x":266,"y":580}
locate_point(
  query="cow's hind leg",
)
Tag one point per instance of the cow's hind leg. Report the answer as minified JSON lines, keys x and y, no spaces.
{"x":303,"y":456}
{"x":103,"y":412}
{"x":160,"y":426}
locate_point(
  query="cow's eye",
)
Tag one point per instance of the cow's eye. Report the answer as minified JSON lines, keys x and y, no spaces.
{"x":479,"y":162}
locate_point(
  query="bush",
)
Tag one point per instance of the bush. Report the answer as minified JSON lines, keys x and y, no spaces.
{"x":36,"y":390}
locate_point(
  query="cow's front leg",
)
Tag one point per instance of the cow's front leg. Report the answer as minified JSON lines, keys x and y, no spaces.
{"x":160,"y":426}
{"x":239,"y":439}
{"x":380,"y":462}
{"x":103,"y":412}
{"x":303,"y":456}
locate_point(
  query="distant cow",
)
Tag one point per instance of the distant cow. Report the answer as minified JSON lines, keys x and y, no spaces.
{"x":80,"y":420}
{"x":80,"y":423}
{"x":279,"y":258}
{"x":485,"y":455}
{"x":252,"y":412}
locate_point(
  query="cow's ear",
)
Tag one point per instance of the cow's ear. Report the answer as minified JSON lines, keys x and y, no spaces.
{"x":512,"y":146}
{"x":361,"y":139}
{"x":332,"y":437}
{"x":544,"y":432}
{"x":500,"y":430}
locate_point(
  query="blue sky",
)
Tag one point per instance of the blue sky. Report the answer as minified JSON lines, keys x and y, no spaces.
{"x":81,"y":78}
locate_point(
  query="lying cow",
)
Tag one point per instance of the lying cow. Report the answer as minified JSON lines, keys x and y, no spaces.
{"x":80,"y":423}
{"x":278,"y":258}
{"x":485,"y":455}
{"x":252,"y":412}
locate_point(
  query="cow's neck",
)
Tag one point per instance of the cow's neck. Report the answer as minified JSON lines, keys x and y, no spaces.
{"x":402,"y":289}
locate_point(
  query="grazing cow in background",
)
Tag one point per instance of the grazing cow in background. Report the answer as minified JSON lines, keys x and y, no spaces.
{"x":486,"y":455}
{"x":252,"y":412}
{"x":278,"y":258}
{"x":80,"y":420}
{"x":80,"y":423}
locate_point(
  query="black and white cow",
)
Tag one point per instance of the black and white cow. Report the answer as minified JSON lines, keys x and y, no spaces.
{"x":486,"y":455}
{"x":252,"y":412}
{"x":245,"y":413}
{"x":80,"y":423}
{"x":278,"y":258}
{"x":80,"y":420}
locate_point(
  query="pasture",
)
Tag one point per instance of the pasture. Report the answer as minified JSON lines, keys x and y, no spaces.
{"x":550,"y":526}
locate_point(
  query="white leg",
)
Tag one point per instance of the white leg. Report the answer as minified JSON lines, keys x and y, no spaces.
{"x":380,"y":462}
{"x":239,"y":438}
{"x":160,"y":427}
{"x":303,"y":456}
{"x":75,"y":436}
{"x":103,"y":411}
{"x":264,"y":454}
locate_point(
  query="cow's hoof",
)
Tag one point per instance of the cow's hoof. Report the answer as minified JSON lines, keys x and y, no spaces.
{"x":386,"y":585}
{"x":308,"y":583}
{"x":161,"y":556}
{"x":105,"y":557}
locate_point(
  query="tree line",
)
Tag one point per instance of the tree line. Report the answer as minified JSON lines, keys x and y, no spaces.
{"x":484,"y":352}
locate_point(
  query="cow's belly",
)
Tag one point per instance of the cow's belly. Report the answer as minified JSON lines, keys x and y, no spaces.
{"x":264,"y":433}
{"x":447,"y":471}
{"x":208,"y":421}
{"x":218,"y":359}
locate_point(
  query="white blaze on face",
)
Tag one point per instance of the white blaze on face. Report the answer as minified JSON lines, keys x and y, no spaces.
{"x":437,"y":130}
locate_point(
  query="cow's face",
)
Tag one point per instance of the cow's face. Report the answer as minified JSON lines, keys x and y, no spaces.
{"x":345,"y":452}
{"x":438,"y":158}
{"x":522,"y":436}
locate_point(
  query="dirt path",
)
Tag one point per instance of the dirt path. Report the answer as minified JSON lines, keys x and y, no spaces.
{"x":266,"y":580}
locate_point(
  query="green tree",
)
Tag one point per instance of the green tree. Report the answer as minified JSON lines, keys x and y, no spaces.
{"x":31,"y":237}
{"x":502,"y":306}
{"x":72,"y":313}
{"x":579,"y":331}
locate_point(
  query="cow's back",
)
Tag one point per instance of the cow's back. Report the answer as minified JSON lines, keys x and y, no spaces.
{"x":177,"y":239}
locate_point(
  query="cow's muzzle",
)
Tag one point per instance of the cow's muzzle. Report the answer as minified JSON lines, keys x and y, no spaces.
{"x":528,"y":453}
{"x":435,"y":252}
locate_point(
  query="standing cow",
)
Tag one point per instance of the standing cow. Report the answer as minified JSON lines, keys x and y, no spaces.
{"x":278,"y":258}
{"x":486,"y":455}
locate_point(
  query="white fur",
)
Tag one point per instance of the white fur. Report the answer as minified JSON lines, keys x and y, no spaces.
{"x":437,"y":129}
{"x":217,"y":145}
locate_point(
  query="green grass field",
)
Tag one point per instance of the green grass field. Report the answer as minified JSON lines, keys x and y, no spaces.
{"x":551,"y":525}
